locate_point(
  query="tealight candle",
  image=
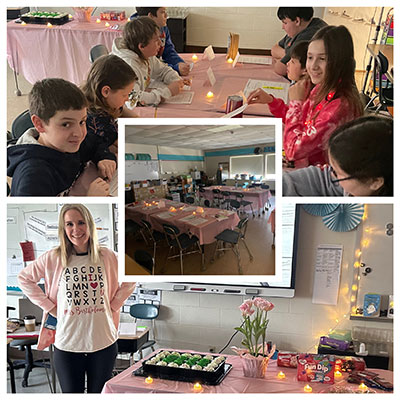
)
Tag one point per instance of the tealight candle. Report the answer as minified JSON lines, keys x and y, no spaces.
{"x":49,"y":25}
{"x":194,"y":57}
{"x":230,"y":61}
{"x":281,"y":375}
{"x":363,"y":387}
{"x":209,"y":95}
{"x":98,"y":20}
{"x":23,"y":23}
{"x":338,"y":375}
{"x":194,"y":212}
{"x":149,"y":380}
{"x":307,"y":389}
{"x":107,"y":24}
{"x":197,"y":387}
{"x":70,"y":16}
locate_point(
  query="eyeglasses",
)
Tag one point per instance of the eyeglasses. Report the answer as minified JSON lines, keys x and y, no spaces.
{"x":333,"y":173}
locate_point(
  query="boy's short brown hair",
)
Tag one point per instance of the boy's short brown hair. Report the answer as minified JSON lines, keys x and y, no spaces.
{"x":299,"y":52}
{"x":139,"y":31}
{"x":54,"y":94}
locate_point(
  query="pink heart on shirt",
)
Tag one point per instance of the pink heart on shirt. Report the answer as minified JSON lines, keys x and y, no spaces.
{"x":94,"y":285}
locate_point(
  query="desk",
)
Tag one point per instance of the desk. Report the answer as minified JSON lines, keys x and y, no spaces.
{"x":38,"y":52}
{"x":259,"y":197}
{"x":205,"y":231}
{"x":234,"y":382}
{"x":133,"y":268}
{"x":229,"y":81}
{"x":81,"y":186}
{"x":131,"y":343}
{"x":387,"y":51}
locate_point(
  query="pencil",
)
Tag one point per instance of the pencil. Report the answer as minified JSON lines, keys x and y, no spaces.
{"x":155,"y":112}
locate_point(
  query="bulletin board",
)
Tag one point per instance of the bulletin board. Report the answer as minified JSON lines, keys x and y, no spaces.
{"x":38,"y":223}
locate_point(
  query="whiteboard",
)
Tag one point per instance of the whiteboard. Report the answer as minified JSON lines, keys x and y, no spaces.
{"x":38,"y":223}
{"x":138,"y":170}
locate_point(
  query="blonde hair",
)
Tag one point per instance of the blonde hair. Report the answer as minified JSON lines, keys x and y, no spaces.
{"x":65,"y":248}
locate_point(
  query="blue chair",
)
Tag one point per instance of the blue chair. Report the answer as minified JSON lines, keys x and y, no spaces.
{"x":145,"y":311}
{"x":232,"y":238}
{"x":97,"y":51}
{"x":19,"y":126}
{"x":244,"y":203}
{"x":182,"y":242}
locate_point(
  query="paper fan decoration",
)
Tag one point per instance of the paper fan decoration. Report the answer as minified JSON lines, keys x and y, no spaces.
{"x":344,"y":218}
{"x":320,"y":210}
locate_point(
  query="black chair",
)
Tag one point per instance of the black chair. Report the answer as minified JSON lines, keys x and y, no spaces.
{"x":207,"y":203}
{"x":154,"y":236}
{"x":189,"y":200}
{"x":20,"y":125}
{"x":144,"y":259}
{"x":384,"y":94}
{"x":97,"y":51}
{"x":217,"y":197}
{"x":149,"y":312}
{"x":225,"y":198}
{"x":182,"y":242}
{"x":244,"y":203}
{"x":234,"y":205}
{"x":232,"y":238}
{"x":134,"y":229}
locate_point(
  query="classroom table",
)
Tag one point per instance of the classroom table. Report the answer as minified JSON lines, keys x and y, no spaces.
{"x":90,"y":173}
{"x":234,"y":382}
{"x":229,"y":81}
{"x":62,"y":51}
{"x":259,"y":197}
{"x":215,"y":219}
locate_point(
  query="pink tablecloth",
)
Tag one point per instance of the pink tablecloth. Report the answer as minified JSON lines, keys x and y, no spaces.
{"x":206,"y":231}
{"x":229,"y":81}
{"x":234,"y":382}
{"x":258,"y":197}
{"x":38,"y":52}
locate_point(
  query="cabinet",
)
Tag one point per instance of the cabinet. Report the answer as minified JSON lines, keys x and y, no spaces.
{"x":177,"y":29}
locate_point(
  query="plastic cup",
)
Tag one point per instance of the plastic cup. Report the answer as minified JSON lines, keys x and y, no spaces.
{"x":30,"y":323}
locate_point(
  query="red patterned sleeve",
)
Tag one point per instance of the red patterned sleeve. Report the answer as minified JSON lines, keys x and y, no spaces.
{"x":304,"y":136}
{"x":278,"y":108}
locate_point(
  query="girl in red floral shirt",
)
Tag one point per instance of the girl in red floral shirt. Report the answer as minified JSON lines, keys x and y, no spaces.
{"x":312,"y":115}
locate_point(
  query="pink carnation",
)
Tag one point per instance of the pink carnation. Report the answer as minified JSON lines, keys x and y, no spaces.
{"x":246,"y":308}
{"x":263,"y":304}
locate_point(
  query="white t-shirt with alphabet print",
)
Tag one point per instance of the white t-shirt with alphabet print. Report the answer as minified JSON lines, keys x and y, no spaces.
{"x":84,"y":317}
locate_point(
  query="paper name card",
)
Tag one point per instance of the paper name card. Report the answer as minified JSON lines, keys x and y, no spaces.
{"x":279,"y":90}
{"x":235,"y":61}
{"x":127,"y":328}
{"x":209,"y":52}
{"x":211,"y":76}
{"x":181,"y":98}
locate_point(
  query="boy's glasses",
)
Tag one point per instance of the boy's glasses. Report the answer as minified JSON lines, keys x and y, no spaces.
{"x":332,"y":173}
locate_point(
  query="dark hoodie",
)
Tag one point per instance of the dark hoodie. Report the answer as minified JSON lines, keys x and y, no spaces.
{"x":38,"y":170}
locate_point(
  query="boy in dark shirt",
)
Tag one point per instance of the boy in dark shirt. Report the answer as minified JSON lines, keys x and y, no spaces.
{"x":47,"y":159}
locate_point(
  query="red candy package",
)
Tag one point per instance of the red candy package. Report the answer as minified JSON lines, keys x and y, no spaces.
{"x":316,"y":368}
{"x":350,"y":363}
{"x":287,"y":359}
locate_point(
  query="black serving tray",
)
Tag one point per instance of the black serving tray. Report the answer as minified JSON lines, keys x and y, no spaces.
{"x":204,"y":380}
{"x":45,"y":21}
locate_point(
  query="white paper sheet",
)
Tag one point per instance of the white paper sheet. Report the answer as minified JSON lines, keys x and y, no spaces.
{"x":127,"y":328}
{"x":327,"y":274}
{"x":209,"y":52}
{"x":277,"y":89}
{"x":181,"y":98}
{"x":255,"y":60}
{"x":211,"y":76}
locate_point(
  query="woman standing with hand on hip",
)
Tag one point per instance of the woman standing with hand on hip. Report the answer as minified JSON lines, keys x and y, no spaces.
{"x":83,"y":293}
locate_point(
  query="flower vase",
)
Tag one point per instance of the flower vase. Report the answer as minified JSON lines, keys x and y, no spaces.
{"x":254,"y":367}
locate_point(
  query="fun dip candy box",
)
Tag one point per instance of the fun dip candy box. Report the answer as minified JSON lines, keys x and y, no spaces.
{"x":316,"y":368}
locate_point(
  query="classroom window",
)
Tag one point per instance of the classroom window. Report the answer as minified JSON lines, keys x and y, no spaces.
{"x":249,"y":165}
{"x":269,"y":165}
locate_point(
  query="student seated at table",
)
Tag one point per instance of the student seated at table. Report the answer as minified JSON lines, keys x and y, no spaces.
{"x":108,"y":86}
{"x":47,"y":159}
{"x":139,"y":46}
{"x":313,"y":114}
{"x":299,"y":24}
{"x":296,"y":70}
{"x":167,"y":50}
{"x":360,"y":163}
